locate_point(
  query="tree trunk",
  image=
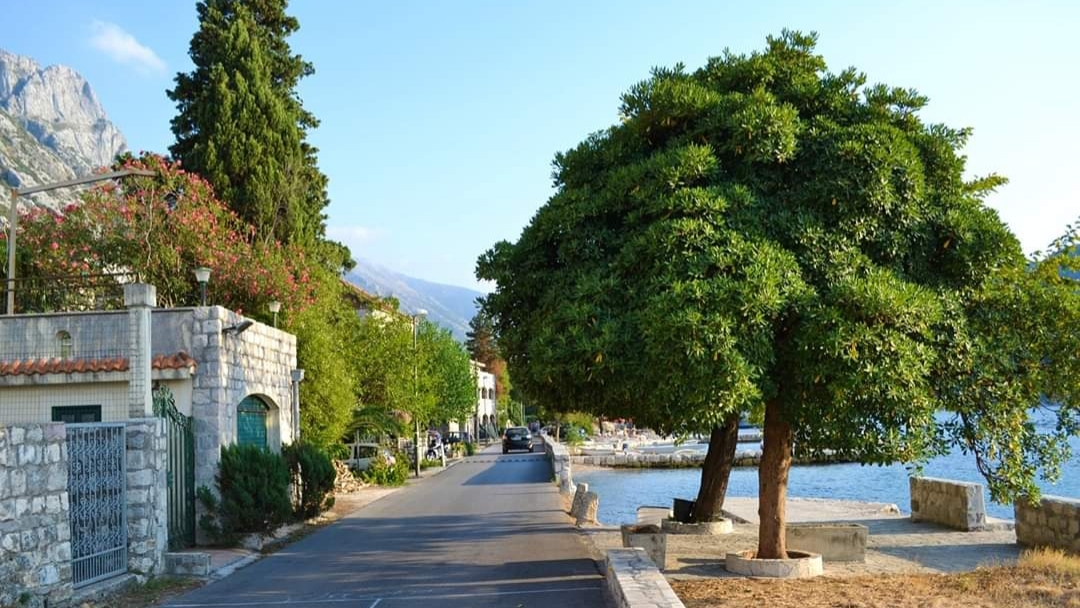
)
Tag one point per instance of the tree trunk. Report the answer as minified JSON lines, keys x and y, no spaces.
{"x":772,"y":484}
{"x":716,"y":471}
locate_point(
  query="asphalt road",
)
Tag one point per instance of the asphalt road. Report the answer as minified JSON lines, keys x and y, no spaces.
{"x":490,"y":531}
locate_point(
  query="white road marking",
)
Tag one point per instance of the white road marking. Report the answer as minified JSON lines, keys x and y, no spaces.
{"x":376,"y":603}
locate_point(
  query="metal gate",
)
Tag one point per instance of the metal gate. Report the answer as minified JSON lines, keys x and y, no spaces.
{"x":181,"y":469}
{"x":97,"y":492}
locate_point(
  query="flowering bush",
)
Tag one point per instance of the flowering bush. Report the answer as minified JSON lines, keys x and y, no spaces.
{"x":160,"y":229}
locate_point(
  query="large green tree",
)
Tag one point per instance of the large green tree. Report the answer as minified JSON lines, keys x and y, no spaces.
{"x":430,"y":379}
{"x":763,"y":235}
{"x":241,"y":125}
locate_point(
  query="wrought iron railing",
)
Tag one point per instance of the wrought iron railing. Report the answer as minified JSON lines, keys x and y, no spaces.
{"x":75,"y":293}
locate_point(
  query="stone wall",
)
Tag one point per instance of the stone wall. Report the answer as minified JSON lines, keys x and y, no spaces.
{"x":35,"y":535}
{"x":633,"y":581}
{"x":147,"y":498}
{"x":258,"y":361}
{"x":1053,"y":522}
{"x":681,"y":460}
{"x":956,"y":504}
{"x":560,"y":465}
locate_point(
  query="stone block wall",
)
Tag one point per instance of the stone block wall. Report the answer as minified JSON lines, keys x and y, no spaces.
{"x":232,"y":366}
{"x":1053,"y":522}
{"x":147,"y":498}
{"x":633,"y":581}
{"x":956,"y":504}
{"x":35,"y":534}
{"x":560,"y":465}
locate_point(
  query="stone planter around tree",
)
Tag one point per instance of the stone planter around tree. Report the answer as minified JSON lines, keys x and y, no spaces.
{"x":648,"y":537}
{"x":705,"y":528}
{"x":800,"y":564}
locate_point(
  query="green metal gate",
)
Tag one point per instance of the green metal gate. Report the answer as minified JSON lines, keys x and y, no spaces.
{"x":181,"y":469}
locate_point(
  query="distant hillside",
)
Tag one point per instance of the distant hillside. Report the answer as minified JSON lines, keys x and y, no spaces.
{"x":449,"y":306}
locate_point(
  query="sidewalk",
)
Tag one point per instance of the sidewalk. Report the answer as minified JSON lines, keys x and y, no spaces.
{"x":225,"y":561}
{"x":895,"y":543}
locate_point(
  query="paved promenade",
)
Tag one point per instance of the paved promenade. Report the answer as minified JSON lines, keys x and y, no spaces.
{"x":895,"y":544}
{"x":489,"y":531}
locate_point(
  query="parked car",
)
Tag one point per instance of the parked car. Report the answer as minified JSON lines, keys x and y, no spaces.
{"x":517,"y":438}
{"x":363,"y":454}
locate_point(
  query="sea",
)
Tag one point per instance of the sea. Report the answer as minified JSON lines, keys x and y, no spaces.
{"x":622,"y":491}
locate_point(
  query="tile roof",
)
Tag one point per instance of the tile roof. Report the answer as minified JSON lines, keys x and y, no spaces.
{"x":56,"y":365}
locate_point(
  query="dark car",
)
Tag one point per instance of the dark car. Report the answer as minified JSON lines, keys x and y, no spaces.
{"x":517,"y":438}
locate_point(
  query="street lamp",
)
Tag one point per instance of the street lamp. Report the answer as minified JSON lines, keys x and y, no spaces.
{"x":416,"y":318}
{"x":275,"y":307}
{"x":202,"y":275}
{"x":13,"y":215}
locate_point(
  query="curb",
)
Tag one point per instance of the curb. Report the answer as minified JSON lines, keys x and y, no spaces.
{"x":633,"y":581}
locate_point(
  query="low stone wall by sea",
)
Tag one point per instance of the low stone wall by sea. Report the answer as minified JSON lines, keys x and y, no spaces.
{"x":560,"y":465}
{"x":679,"y":460}
{"x":1053,"y":522}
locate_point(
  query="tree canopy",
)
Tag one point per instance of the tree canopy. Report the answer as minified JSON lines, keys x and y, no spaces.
{"x":764,"y":235}
{"x":240,"y":122}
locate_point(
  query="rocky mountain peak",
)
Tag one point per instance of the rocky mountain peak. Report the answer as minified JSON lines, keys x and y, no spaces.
{"x":52,"y":125}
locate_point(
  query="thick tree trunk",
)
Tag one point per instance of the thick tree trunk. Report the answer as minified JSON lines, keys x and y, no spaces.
{"x":716,"y":471}
{"x":772,"y":484}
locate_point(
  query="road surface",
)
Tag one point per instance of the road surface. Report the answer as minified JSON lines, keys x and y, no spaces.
{"x":490,"y":531}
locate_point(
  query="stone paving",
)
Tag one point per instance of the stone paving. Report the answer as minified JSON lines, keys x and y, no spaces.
{"x":895,"y":544}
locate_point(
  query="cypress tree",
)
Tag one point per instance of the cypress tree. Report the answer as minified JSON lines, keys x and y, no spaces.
{"x":241,"y":125}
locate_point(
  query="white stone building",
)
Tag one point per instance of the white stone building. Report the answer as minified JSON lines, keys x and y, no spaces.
{"x":110,"y":420}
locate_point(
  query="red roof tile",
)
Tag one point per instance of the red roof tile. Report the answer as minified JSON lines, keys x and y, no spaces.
{"x":180,"y":360}
{"x":56,"y":365}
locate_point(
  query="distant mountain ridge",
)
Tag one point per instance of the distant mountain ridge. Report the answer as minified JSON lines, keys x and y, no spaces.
{"x":449,"y":306}
{"x":52,"y":127}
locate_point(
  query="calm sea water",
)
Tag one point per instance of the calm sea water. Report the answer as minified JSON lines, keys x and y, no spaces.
{"x":623,"y":490}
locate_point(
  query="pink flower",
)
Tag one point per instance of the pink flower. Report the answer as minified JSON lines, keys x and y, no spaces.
{"x":55,"y":245}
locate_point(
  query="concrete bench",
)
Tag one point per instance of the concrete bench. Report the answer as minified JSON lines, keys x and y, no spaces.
{"x":836,"y":542}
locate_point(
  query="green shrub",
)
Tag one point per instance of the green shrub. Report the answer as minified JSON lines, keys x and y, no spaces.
{"x":382,"y":473}
{"x":427,"y":463}
{"x":253,"y":494}
{"x":317,"y":475}
{"x":470,"y":448}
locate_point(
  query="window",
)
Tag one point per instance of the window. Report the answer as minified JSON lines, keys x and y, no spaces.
{"x":72,"y":414}
{"x":251,"y":422}
{"x":64,"y":344}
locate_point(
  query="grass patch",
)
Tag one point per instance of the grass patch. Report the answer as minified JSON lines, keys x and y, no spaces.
{"x":1041,"y":578}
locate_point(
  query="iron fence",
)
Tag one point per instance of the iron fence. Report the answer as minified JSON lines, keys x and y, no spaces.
{"x":74,"y":293}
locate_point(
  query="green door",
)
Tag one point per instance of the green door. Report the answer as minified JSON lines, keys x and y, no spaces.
{"x":251,"y":422}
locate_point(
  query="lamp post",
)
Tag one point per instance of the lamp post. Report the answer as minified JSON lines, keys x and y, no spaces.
{"x":202,"y":275}
{"x":275,"y":307}
{"x":13,"y":215}
{"x":416,"y":318}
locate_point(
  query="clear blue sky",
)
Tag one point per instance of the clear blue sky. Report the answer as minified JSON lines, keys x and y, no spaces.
{"x":440,"y":119}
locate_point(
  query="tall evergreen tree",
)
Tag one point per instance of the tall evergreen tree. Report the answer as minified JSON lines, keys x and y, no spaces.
{"x":241,"y":125}
{"x":480,"y":339}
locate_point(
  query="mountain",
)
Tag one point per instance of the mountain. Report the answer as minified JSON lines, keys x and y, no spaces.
{"x":447,"y":305}
{"x":52,"y":127}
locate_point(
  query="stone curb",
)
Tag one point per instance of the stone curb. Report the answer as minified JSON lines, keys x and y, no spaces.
{"x":633,"y":581}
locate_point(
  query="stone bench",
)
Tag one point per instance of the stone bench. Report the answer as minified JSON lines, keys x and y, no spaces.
{"x":956,"y":504}
{"x":1053,"y":522}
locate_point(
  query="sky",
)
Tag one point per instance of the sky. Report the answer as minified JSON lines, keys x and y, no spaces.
{"x":440,"y":119}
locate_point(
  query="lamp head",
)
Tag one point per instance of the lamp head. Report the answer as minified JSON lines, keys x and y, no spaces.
{"x":274,"y":306}
{"x":202,"y":274}
{"x":239,"y":328}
